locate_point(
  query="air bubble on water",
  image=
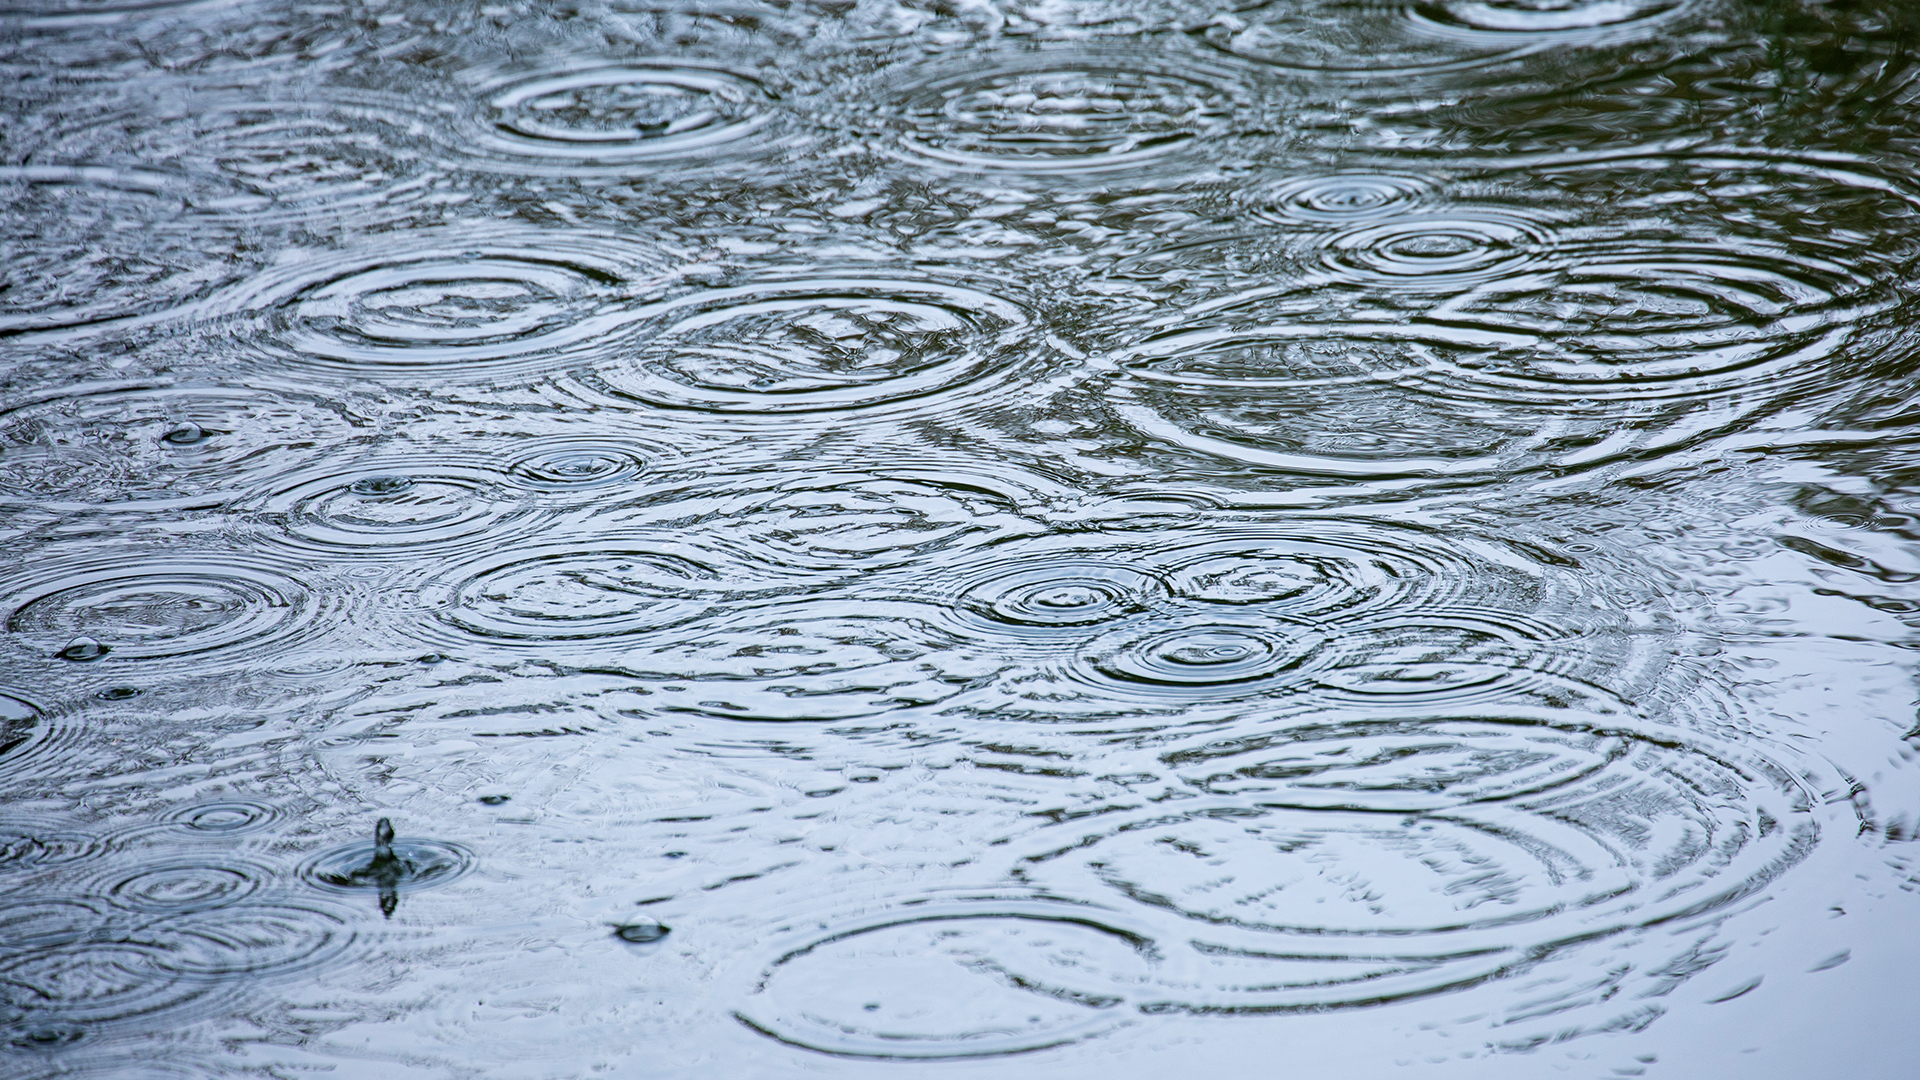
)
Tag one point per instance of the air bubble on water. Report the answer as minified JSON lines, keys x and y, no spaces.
{"x":83,"y":649}
{"x":644,"y":930}
{"x":187,"y":435}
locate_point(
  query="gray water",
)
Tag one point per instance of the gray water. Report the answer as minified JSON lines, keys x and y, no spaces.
{"x":965,"y":538}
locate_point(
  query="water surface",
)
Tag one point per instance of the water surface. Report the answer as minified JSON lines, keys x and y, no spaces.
{"x":762,"y":538}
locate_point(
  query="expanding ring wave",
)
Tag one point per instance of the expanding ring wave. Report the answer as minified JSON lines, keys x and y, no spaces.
{"x":831,"y":343}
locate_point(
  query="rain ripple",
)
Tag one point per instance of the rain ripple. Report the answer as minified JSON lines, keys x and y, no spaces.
{"x":952,"y":979}
{"x":1352,"y":864}
{"x":1563,"y":356}
{"x":818,"y":344}
{"x":1337,"y":38}
{"x":162,"y":605}
{"x":615,"y":118}
{"x":1043,"y":113}
{"x":392,"y":507}
{"x":491,"y":302}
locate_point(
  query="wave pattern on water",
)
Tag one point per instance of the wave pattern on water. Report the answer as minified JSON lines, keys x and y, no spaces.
{"x":1040,"y":536}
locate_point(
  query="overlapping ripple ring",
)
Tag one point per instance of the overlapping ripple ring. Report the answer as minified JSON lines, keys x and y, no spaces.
{"x":581,"y":593}
{"x":802,"y":530}
{"x":635,"y":113}
{"x":1404,"y":861}
{"x":155,"y":445}
{"x":1331,"y":37}
{"x":1411,"y":762}
{"x":1396,"y":402}
{"x":150,"y":605}
{"x":183,"y":885}
{"x":293,"y":161}
{"x":394,"y":507}
{"x":27,"y":846}
{"x":1177,"y":661}
{"x":1042,"y":114}
{"x":1547,"y":24}
{"x":825,"y":664}
{"x":112,"y":253}
{"x":1480,"y":658}
{"x":1440,"y":250}
{"x":946,"y":978}
{"x":1039,"y":596}
{"x":1637,"y":320}
{"x":80,"y":965}
{"x":20,"y":721}
{"x":224,"y":818}
{"x":820,"y":344}
{"x":487,"y":302}
{"x":1334,"y":571}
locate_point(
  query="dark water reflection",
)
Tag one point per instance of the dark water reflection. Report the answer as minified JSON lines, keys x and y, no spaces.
{"x":1056,"y":538}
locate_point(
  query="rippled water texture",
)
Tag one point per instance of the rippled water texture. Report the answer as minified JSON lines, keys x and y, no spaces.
{"x":1000,"y":538}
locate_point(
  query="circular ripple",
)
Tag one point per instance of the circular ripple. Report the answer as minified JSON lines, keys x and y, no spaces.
{"x":1336,"y":37}
{"x":462,"y":303}
{"x":1204,"y":660}
{"x":575,"y":463}
{"x":791,"y":663}
{"x":94,"y":248}
{"x":154,"y":605}
{"x":91,"y":982}
{"x":152,"y":447}
{"x":796,"y":346}
{"x":803,"y":530}
{"x":27,"y":847}
{"x":1046,"y":114}
{"x":951,"y":981}
{"x":585,"y":592}
{"x":397,"y":506}
{"x":182,"y":887}
{"x":1636,"y":320}
{"x":228,"y":817}
{"x":1332,"y":571}
{"x":1335,"y":198}
{"x":614,"y":117}
{"x":1547,"y":842}
{"x":301,"y":162}
{"x":1052,"y":593}
{"x":19,"y":721}
{"x":1546,"y":22}
{"x":1383,"y":404}
{"x":419,"y":864}
{"x":1406,"y":764}
{"x":82,"y":968}
{"x":249,"y":940}
{"x":1436,"y":251}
